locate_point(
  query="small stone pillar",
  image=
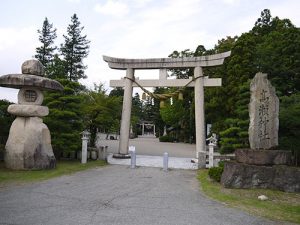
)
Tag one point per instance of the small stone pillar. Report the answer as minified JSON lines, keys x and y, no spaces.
{"x":210,"y":155}
{"x":102,"y":152}
{"x":143,"y":129}
{"x":29,"y":141}
{"x":212,"y":143}
{"x":85,"y":138}
{"x":131,"y":134}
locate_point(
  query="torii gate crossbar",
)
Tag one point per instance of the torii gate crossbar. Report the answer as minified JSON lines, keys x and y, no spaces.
{"x":130,"y":65}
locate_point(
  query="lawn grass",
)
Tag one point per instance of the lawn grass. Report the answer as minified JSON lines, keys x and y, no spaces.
{"x":8,"y":176}
{"x":280,"y":206}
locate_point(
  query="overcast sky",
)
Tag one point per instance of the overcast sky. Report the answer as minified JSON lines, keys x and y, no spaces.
{"x":128,"y":29}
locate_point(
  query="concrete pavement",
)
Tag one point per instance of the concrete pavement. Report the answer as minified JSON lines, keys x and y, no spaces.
{"x":150,"y":153}
{"x":118,"y":195}
{"x":152,"y":147}
{"x":156,"y":161}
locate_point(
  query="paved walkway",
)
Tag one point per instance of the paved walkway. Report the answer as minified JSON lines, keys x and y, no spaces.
{"x":150,"y":153}
{"x":114,"y":195}
{"x":152,"y":147}
{"x":155,"y":161}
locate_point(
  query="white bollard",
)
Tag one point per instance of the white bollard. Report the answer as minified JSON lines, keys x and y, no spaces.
{"x":131,"y":148}
{"x":84,"y":150}
{"x":210,"y":155}
{"x":132,"y":156}
{"x":165,"y":162}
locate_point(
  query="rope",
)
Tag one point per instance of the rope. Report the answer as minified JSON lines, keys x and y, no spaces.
{"x":163,"y":96}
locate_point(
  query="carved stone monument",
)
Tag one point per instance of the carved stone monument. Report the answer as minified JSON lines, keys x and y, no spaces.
{"x":262,"y":166}
{"x":263,"y":112}
{"x":29,"y":142}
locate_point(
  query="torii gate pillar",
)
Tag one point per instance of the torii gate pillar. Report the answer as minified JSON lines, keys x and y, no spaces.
{"x":163,"y":64}
{"x":126,"y":114}
{"x":199,"y":117}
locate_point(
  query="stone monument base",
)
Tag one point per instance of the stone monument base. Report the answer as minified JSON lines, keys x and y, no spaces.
{"x":121,"y":156}
{"x":280,"y":177}
{"x":29,"y":145}
{"x":263,"y":157}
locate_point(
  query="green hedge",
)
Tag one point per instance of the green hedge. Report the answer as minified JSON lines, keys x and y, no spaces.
{"x":215,"y":173}
{"x":226,"y":149}
{"x":166,"y":138}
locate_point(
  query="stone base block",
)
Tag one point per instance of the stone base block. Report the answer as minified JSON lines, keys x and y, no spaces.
{"x":102,"y":153}
{"x":28,"y":110}
{"x":94,"y":155}
{"x":121,"y":156}
{"x":29,"y":145}
{"x":201,"y":160}
{"x":280,"y":177}
{"x":263,"y":157}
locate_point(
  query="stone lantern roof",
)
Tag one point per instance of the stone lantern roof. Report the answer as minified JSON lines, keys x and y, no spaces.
{"x":32,"y":76}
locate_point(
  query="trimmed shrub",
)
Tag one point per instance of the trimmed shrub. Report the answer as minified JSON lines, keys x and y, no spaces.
{"x":166,"y":138}
{"x":215,"y":173}
{"x":221,"y":164}
{"x":227,"y":149}
{"x":2,"y":150}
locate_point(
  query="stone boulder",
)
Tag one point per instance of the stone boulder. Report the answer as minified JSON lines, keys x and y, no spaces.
{"x":29,"y":145}
{"x":280,"y":177}
{"x":34,"y":67}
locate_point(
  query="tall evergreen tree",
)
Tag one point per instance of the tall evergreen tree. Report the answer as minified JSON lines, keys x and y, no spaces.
{"x":45,"y":53}
{"x":272,"y":46}
{"x":74,"y":50}
{"x":57,"y":69}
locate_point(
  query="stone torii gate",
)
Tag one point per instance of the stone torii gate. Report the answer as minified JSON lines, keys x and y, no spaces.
{"x":130,"y":65}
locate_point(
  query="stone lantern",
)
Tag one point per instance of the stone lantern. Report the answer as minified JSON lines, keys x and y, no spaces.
{"x":29,"y":142}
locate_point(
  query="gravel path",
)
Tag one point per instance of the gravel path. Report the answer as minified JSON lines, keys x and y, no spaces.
{"x":116,"y":194}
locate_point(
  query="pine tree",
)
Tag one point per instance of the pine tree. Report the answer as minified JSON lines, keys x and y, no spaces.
{"x":57,"y":69}
{"x":45,"y":53}
{"x":289,"y":125}
{"x":118,"y":92}
{"x":6,"y":120}
{"x":65,"y":119}
{"x":101,"y":112}
{"x":236,"y":134}
{"x":74,"y":50}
